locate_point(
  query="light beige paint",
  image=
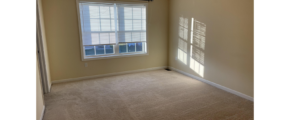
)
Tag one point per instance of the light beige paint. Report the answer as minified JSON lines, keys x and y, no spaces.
{"x":228,"y":41}
{"x":63,"y":43}
{"x":44,"y":41}
{"x":228,"y":50}
{"x":39,"y":93}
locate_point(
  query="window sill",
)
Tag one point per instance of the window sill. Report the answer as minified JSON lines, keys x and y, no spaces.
{"x":88,"y":58}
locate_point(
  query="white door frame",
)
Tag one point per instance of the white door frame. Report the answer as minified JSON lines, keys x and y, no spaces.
{"x":39,"y":41}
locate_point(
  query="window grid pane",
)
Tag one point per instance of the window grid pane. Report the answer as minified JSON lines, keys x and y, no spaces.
{"x":123,"y":47}
{"x":100,"y":49}
{"x":132,"y":47}
{"x":109,"y":49}
{"x":98,"y":27}
{"x":89,"y":50}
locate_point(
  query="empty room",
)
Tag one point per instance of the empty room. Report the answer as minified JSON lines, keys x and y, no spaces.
{"x":145,"y":59}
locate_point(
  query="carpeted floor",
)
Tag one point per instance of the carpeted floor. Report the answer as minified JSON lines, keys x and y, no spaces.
{"x":151,"y":95}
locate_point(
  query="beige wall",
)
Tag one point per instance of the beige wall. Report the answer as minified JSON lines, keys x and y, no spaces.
{"x":63,"y":43}
{"x":228,"y":53}
{"x":39,"y":94}
{"x":42,"y":27}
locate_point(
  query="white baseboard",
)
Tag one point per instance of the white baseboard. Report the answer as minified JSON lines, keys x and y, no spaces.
{"x":42,"y":114}
{"x":157,"y":68}
{"x":215,"y":84}
{"x":104,"y":75}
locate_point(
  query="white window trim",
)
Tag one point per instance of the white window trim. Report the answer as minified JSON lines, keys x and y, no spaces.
{"x":115,"y":55}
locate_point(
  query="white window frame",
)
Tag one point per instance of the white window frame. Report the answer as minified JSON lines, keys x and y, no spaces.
{"x":116,"y":46}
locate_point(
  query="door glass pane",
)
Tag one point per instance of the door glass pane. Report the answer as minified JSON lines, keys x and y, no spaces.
{"x":89,"y":50}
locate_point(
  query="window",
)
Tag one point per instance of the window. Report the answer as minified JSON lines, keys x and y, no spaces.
{"x":112,"y":29}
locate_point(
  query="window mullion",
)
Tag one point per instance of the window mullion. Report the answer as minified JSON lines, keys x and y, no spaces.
{"x":105,"y":49}
{"x":110,"y":18}
{"x":132,"y":26}
{"x":141,"y":19}
{"x":127,"y":48}
{"x":110,"y":25}
{"x":135,"y":47}
{"x":100,"y":18}
{"x":116,"y":50}
{"x":95,"y":50}
{"x":143,"y":46}
{"x":100,"y":24}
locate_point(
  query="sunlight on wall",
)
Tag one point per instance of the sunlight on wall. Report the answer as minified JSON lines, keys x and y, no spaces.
{"x":197,"y":46}
{"x":194,"y":64}
{"x":199,"y":34}
{"x":197,"y":67}
{"x":183,"y":28}
{"x":182,"y":42}
{"x":182,"y":48}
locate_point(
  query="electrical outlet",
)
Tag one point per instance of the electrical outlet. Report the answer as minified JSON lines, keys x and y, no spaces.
{"x":86,"y":64}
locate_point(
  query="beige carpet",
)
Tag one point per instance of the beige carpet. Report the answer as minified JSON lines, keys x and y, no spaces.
{"x":152,"y":95}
